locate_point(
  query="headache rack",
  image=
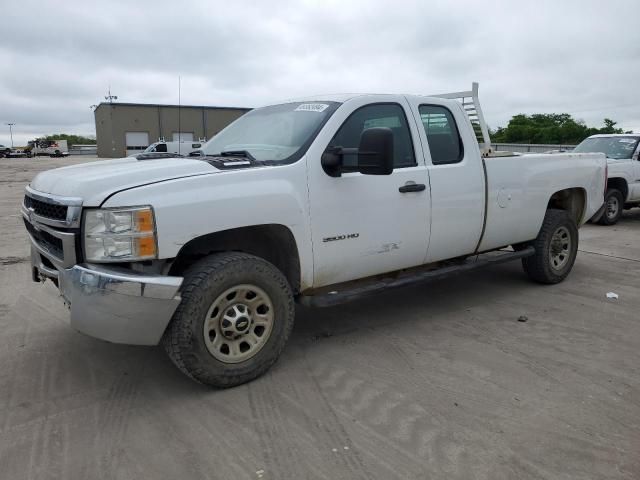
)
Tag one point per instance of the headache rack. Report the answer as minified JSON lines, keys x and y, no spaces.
{"x":471,"y":104}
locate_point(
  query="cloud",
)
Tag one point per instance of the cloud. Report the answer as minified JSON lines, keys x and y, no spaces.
{"x":58,"y":58}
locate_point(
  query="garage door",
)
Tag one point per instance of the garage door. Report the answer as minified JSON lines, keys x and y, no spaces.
{"x":183,"y":137}
{"x":136,"y":142}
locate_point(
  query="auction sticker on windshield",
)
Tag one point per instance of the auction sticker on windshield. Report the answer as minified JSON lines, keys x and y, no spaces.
{"x":311,"y":107}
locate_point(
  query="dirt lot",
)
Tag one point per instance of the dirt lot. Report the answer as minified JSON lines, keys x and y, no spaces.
{"x":438,"y":381}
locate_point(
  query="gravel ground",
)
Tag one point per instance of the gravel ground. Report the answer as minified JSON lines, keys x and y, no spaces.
{"x":439,"y":381}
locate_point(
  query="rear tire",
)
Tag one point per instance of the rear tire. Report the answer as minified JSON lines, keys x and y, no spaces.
{"x":613,"y":207}
{"x":556,"y":249}
{"x":233,"y":322}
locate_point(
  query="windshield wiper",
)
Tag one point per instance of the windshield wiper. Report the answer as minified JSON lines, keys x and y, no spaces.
{"x":238,"y":153}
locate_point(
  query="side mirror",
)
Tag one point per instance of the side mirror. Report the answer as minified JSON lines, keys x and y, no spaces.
{"x":196,"y":153}
{"x":374,"y":155}
{"x":375,"y":152}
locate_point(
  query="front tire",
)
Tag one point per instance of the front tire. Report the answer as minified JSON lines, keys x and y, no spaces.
{"x":556,"y":249}
{"x":613,"y":206}
{"x":233,"y":322}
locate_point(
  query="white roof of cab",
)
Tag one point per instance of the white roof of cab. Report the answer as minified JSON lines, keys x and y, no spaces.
{"x":344,"y":97}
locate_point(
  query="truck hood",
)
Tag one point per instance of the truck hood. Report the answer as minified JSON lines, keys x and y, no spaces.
{"x":95,"y":181}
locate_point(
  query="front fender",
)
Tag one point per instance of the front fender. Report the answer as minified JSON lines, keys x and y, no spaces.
{"x":188,"y":208}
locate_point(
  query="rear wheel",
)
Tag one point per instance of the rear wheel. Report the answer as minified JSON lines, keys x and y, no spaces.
{"x":556,"y":248}
{"x":613,"y":206}
{"x":234,"y":319}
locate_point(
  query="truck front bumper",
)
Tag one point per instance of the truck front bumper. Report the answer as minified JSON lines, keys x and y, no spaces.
{"x":112,"y":304}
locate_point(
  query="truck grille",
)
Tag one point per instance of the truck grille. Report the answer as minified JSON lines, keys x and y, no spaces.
{"x":47,"y":210}
{"x":48,"y":241}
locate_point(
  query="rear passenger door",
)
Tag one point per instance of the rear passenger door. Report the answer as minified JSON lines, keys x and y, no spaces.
{"x":456,"y":174}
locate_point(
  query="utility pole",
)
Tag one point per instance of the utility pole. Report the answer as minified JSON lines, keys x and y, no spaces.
{"x":11,"y":132}
{"x":111,"y":98}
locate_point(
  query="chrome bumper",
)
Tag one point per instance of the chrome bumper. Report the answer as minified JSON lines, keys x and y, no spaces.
{"x":113,"y":304}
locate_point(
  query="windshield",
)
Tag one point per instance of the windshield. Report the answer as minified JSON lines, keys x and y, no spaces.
{"x":278,"y":133}
{"x":613,"y":147}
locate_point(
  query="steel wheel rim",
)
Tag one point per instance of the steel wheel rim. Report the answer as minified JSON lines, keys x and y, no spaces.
{"x":238,"y":323}
{"x":560,"y":248}
{"x":612,"y":207}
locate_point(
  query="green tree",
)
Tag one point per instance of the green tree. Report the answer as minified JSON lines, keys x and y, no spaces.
{"x":609,"y":127}
{"x":71,"y":139}
{"x":551,"y":128}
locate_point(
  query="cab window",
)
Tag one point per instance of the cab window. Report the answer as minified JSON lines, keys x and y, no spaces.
{"x":443,"y":137}
{"x":390,"y":115}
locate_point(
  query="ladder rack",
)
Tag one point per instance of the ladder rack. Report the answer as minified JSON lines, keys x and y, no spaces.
{"x":471,"y":104}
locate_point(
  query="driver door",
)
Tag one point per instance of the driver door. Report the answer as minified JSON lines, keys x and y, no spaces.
{"x":364,"y":225}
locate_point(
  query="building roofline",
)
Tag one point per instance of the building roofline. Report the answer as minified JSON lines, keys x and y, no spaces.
{"x":156,"y":105}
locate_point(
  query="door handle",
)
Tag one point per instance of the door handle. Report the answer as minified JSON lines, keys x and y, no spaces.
{"x":412,"y":187}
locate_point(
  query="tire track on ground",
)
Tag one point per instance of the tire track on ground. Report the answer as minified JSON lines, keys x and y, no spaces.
{"x":403,"y":423}
{"x":112,"y":425}
{"x":281,"y":460}
{"x":326,"y":421}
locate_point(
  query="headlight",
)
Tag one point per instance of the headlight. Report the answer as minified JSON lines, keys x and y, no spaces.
{"x":119,"y":235}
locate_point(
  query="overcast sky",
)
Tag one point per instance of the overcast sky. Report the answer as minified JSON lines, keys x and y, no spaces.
{"x":58,"y":58}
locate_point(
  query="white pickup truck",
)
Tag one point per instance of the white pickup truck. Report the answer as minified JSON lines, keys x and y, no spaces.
{"x":318,"y":201}
{"x":623,"y":161}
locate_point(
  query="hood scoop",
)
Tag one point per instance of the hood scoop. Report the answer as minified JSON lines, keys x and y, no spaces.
{"x":233,"y":163}
{"x":156,"y":156}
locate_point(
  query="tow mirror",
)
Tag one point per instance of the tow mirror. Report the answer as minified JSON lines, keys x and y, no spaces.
{"x":375,"y":152}
{"x":374,"y":155}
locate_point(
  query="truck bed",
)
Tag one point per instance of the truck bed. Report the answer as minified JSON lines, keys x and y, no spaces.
{"x":519,"y":189}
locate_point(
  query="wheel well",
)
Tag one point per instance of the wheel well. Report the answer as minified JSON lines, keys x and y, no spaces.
{"x":274,"y":243}
{"x":620,"y":184}
{"x":573,"y":200}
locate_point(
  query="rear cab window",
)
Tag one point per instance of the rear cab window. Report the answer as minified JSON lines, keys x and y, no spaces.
{"x":445,"y":143}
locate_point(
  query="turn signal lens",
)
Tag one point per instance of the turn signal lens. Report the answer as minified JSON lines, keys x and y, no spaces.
{"x":146,"y":247}
{"x":144,"y":220}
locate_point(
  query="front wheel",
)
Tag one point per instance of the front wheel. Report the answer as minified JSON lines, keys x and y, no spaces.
{"x":234,"y":319}
{"x":613,"y":206}
{"x":556,"y":249}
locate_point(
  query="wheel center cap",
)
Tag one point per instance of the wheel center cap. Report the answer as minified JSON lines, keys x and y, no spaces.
{"x":236,"y":321}
{"x":242,"y":324}
{"x":556,"y":246}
